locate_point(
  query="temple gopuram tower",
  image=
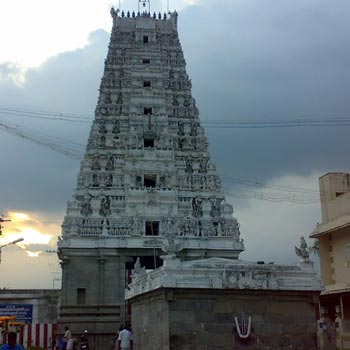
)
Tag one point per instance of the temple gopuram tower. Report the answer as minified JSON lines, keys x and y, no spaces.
{"x":147,"y":185}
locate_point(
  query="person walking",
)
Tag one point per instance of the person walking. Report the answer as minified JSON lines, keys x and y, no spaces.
{"x":125,"y":341}
{"x":68,"y":339}
{"x":115,"y":343}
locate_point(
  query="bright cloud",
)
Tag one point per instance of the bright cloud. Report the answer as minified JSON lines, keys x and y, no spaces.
{"x":32,"y":262}
{"x":12,"y":72}
{"x":37,"y":32}
{"x":32,"y":236}
{"x":18,"y":217}
{"x":33,"y":254}
{"x":32,"y":229}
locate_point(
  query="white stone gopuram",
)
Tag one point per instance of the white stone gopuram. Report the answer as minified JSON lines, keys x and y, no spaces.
{"x":147,"y":185}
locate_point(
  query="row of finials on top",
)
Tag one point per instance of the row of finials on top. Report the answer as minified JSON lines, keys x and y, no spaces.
{"x":144,"y":14}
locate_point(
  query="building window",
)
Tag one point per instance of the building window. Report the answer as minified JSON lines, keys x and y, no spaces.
{"x":347,"y":253}
{"x":148,"y":143}
{"x":152,"y":228}
{"x":81,"y":296}
{"x":145,"y":39}
{"x":147,"y":110}
{"x":146,"y":61}
{"x":146,"y":83}
{"x":150,"y":181}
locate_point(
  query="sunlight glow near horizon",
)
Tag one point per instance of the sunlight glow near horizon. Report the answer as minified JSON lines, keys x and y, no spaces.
{"x":18,"y":217}
{"x":31,"y":229}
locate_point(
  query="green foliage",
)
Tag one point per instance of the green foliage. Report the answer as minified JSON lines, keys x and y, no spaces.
{"x":33,"y":347}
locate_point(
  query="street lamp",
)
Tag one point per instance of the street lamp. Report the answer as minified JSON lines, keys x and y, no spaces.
{"x":13,"y":242}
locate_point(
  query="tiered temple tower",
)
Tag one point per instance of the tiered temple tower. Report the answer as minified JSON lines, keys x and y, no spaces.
{"x":146,"y":184}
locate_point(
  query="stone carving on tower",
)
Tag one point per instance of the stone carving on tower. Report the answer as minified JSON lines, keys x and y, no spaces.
{"x":147,"y":154}
{"x":147,"y":175}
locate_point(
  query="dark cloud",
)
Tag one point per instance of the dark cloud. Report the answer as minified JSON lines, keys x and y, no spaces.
{"x":33,"y":177}
{"x":267,"y":60}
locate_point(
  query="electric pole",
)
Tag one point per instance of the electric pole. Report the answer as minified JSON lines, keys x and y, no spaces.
{"x":1,"y":221}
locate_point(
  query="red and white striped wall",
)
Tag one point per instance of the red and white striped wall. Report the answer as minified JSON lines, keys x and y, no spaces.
{"x":36,"y":334}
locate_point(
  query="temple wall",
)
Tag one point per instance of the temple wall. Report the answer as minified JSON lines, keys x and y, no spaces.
{"x":45,"y":302}
{"x":203,"y":319}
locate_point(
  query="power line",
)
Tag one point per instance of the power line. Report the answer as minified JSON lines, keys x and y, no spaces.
{"x":264,"y":185}
{"x":65,"y":147}
{"x":52,"y":117}
{"x":268,"y":196}
{"x":44,"y":112}
{"x":218,"y":124}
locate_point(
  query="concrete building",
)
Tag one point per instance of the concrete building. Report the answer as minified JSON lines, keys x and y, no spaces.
{"x":333,"y":234}
{"x":146,"y":184}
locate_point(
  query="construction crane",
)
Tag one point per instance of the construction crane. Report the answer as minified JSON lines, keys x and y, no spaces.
{"x":1,"y":221}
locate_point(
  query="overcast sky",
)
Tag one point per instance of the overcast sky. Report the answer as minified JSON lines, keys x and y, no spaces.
{"x":248,"y":60}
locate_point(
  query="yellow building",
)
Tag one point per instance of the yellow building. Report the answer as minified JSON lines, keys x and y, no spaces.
{"x":333,"y":234}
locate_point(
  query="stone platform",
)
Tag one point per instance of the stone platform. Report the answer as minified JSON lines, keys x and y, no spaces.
{"x":193,"y":305}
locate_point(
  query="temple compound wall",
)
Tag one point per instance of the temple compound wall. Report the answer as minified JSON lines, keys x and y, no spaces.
{"x":43,"y":304}
{"x":222,"y":304}
{"x":203,"y":319}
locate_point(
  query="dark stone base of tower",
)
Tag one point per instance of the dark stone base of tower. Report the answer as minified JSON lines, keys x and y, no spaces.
{"x":92,"y":299}
{"x":203,"y":319}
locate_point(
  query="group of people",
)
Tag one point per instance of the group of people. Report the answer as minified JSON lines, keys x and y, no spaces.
{"x":67,"y":342}
{"x":122,"y":341}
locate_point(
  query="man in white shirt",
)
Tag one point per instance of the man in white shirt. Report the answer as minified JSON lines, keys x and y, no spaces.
{"x":125,"y":339}
{"x":68,"y":339}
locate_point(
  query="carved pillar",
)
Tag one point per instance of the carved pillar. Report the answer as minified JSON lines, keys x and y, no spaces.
{"x":65,"y":278}
{"x":101,"y":279}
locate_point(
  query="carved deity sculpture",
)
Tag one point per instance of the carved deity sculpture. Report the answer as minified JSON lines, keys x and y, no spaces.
{"x":168,"y":226}
{"x":103,"y":129}
{"x":109,"y":181}
{"x":137,"y":226}
{"x":94,"y":180}
{"x":138,"y":181}
{"x":85,"y":206}
{"x":181,"y":129}
{"x":189,"y":168}
{"x":105,"y":208}
{"x":197,"y":207}
{"x":110,"y":163}
{"x":103,"y":141}
{"x":95,"y":163}
{"x":303,"y":252}
{"x":187,"y":102}
{"x":193,"y":131}
{"x":175,"y":101}
{"x":215,"y":207}
{"x":203,"y":165}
